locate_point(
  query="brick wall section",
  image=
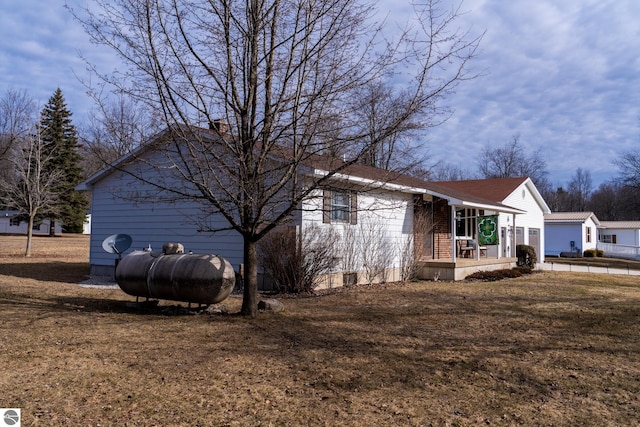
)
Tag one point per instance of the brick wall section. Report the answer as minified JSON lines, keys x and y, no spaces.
{"x":441,"y":229}
{"x":422,"y":228}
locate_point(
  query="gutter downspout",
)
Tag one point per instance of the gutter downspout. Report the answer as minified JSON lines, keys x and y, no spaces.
{"x":453,"y":233}
{"x":513,"y":236}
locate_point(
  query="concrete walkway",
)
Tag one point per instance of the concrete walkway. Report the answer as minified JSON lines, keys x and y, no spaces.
{"x":551,"y":266}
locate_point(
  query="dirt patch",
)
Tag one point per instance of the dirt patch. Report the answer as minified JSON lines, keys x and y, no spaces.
{"x":542,"y":349}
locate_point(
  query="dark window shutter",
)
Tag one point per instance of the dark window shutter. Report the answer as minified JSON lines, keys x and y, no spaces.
{"x":353,"y":217}
{"x":326,"y":206}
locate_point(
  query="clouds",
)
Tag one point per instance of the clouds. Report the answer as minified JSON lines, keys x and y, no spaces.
{"x":564,"y":75}
{"x":39,"y":51}
{"x":560,"y":74}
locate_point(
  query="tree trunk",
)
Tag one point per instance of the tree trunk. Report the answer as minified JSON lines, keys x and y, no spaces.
{"x":250,"y":279}
{"x":27,"y":252}
{"x":52,"y":227}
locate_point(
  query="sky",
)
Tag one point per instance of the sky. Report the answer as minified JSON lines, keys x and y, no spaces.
{"x":562,"y":75}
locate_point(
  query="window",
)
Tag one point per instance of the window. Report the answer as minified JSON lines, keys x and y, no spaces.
{"x":608,"y":238}
{"x":519,"y":235}
{"x":339,"y":206}
{"x":588,"y":234}
{"x":466,"y":223}
{"x":14,"y":222}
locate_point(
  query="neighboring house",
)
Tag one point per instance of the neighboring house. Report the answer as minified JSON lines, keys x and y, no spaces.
{"x":12,"y":223}
{"x":86,"y":225}
{"x":427,"y":222}
{"x":570,"y":233}
{"x":620,"y":239}
{"x":620,"y":232}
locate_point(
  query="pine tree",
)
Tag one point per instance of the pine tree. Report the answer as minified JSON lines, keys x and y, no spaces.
{"x":61,"y":140}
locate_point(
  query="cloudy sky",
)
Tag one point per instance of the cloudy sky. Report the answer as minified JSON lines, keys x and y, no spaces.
{"x":564,"y":75}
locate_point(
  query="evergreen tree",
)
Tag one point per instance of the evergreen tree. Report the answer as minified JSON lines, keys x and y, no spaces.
{"x":60,"y":140}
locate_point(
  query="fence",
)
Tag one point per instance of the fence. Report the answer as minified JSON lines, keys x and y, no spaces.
{"x":549,"y":265}
{"x":612,"y":250}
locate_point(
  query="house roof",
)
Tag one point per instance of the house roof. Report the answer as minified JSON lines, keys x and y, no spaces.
{"x":455,"y":195}
{"x":620,"y":224}
{"x":484,"y":194}
{"x":495,"y":189}
{"x":570,"y":217}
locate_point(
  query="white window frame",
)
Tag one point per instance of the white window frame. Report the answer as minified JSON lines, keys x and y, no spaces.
{"x":467,"y":219}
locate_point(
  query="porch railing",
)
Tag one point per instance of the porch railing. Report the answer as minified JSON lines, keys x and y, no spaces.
{"x":614,"y":250}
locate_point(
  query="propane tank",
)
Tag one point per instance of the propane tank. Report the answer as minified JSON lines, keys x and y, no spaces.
{"x":195,"y":278}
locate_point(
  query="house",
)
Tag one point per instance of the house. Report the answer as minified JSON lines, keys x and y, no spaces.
{"x":521,"y":223}
{"x":433,"y":223}
{"x":620,"y":239}
{"x":570,"y":233}
{"x":11,"y":222}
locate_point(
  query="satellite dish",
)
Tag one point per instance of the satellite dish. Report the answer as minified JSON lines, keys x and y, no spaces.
{"x":117,"y":243}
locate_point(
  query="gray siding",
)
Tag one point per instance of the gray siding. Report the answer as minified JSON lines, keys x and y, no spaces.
{"x":122,"y":204}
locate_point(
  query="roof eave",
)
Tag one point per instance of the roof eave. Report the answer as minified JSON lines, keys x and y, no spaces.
{"x":415,"y":190}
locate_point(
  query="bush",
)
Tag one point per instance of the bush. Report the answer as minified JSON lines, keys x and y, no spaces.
{"x":526,"y":256}
{"x":523,"y":270}
{"x":296,"y":262}
{"x":593,"y":253}
{"x":495,"y":275}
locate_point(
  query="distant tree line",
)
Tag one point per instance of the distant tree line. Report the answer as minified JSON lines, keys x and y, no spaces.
{"x":615,"y":200}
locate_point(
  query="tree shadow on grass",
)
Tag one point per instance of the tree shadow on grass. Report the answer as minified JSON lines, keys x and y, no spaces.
{"x":50,"y":271}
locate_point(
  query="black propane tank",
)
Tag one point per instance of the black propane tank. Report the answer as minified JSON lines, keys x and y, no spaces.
{"x":195,"y":278}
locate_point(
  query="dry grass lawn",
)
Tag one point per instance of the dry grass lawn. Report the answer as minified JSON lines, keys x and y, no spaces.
{"x":549,"y":349}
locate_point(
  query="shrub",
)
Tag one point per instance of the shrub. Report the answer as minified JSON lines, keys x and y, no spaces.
{"x":526,"y":256}
{"x":523,"y":270}
{"x":495,"y":275}
{"x":593,"y":253}
{"x":296,"y":260}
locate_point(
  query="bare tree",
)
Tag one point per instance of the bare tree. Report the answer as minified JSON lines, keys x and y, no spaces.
{"x":511,"y":160}
{"x":271,"y":77}
{"x":629,"y":168}
{"x":558,"y":200}
{"x":615,"y":201}
{"x":16,"y":119}
{"x":605,"y":202}
{"x":579,"y":190}
{"x":443,"y":171}
{"x":31,"y":187}
{"x":385,"y":149}
{"x":115,"y":128}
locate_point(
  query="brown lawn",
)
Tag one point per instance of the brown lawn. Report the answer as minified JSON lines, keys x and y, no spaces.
{"x":549,"y":349}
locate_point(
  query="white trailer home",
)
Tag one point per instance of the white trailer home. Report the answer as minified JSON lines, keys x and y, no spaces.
{"x":570,"y":233}
{"x":620,"y":239}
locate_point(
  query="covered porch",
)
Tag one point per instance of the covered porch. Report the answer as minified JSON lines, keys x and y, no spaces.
{"x":444,"y":269}
{"x":448,"y":241}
